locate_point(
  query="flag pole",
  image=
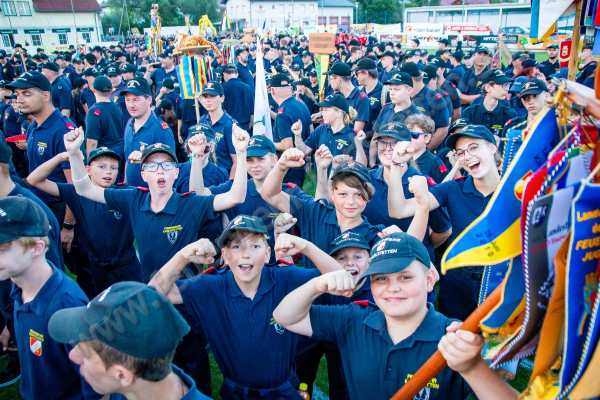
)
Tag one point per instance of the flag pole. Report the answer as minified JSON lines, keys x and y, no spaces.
{"x":576,"y":38}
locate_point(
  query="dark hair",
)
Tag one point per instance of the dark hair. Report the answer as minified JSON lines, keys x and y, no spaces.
{"x":373,"y":73}
{"x":151,"y":369}
{"x":354,"y":49}
{"x":169,"y":117}
{"x":366,"y":189}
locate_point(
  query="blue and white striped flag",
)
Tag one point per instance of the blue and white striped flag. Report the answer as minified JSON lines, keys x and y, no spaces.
{"x":262,"y":114}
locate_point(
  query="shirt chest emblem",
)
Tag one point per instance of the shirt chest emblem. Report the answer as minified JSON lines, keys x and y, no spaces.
{"x":278,"y":328}
{"x":41,"y":148}
{"x":172,"y":232}
{"x":117,"y":215}
{"x":35,"y":342}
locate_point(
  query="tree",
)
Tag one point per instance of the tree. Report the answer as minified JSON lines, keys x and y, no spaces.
{"x":196,"y":9}
{"x":379,"y":11}
{"x":136,"y":13}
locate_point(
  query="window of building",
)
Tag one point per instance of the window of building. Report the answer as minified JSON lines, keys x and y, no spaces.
{"x":36,"y":39}
{"x":87,"y":37}
{"x":345,"y":20}
{"x":448,"y":16}
{"x":62,"y":38}
{"x":312,"y":8}
{"x":302,"y":8}
{"x":333,"y":20}
{"x":9,"y":8}
{"x":24,"y":9}
{"x":281,"y":8}
{"x":322,"y":20}
{"x":419,"y":16}
{"x":6,"y":42}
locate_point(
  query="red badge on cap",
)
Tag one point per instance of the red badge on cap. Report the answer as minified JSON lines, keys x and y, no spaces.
{"x":363,"y":95}
{"x":431,"y":181}
{"x":97,"y":112}
{"x":443,"y":168}
{"x":70,"y":126}
{"x":164,"y":125}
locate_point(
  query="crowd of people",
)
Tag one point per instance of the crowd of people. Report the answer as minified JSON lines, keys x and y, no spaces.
{"x":194,"y":236}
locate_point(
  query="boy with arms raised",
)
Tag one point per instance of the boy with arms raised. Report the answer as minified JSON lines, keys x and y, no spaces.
{"x":235,"y":308}
{"x":382,"y":348}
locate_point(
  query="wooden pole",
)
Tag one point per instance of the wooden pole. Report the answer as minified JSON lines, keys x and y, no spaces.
{"x":437,"y":362}
{"x":575,"y":44}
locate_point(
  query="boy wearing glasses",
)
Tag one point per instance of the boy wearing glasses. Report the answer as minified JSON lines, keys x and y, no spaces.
{"x":421,"y":129}
{"x":490,"y":112}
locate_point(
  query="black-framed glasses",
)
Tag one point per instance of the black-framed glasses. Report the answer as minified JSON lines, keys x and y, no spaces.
{"x":415,"y":135}
{"x":381,"y":145}
{"x":153,"y":166}
{"x":472,"y":150}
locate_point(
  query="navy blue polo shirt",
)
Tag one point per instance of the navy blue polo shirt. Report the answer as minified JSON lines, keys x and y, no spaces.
{"x":107,"y":233}
{"x":120,"y":101}
{"x":172,"y":97}
{"x":223,"y":136}
{"x":586,"y":72}
{"x":7,"y":72}
{"x":462,"y":200}
{"x":117,"y":92}
{"x":242,"y":331}
{"x":239,"y":101}
{"x":432,"y":166}
{"x":360,"y":102}
{"x":212,"y":174}
{"x":375,"y":105}
{"x":318,"y":224}
{"x":288,"y":113}
{"x":456,"y":74}
{"x":373,"y":365}
{"x":364,"y":293}
{"x":88,"y":97}
{"x":170,"y":230}
{"x":43,"y":143}
{"x":192,"y":394}
{"x":493,"y":120}
{"x":46,"y":371}
{"x":159,"y":75}
{"x":154,"y":130}
{"x":54,"y":253}
{"x":550,"y":68}
{"x":470,"y":84}
{"x":11,"y":128}
{"x":104,"y":123}
{"x":255,"y":205}
{"x":341,"y":142}
{"x":385,"y":76}
{"x":389,"y":114}
{"x":433,"y":105}
{"x":451,"y":95}
{"x":377,"y":209}
{"x":185,"y":111}
{"x":245,"y":75}
{"x":62,"y":98}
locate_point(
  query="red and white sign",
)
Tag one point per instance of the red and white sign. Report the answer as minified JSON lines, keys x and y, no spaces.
{"x":468,"y":29}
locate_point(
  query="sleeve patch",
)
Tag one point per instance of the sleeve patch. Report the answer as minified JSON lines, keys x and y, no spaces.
{"x":70,"y":125}
{"x":446,"y":94}
{"x":208,"y":271}
{"x":143,"y":189}
{"x":280,"y":111}
{"x":453,"y":85}
{"x":443,"y":168}
{"x":438,"y":96}
{"x":164,"y":125}
{"x":291,"y":185}
{"x":121,"y":184}
{"x":508,"y":122}
{"x":431,"y":181}
{"x":186,"y":194}
{"x":460,"y":178}
{"x":363,"y":95}
{"x":96,"y":112}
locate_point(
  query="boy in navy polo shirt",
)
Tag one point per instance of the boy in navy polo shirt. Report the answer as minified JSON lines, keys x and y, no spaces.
{"x":108,"y":235}
{"x":382,"y":348}
{"x":422,"y":128}
{"x":246,"y":293}
{"x":136,"y":361}
{"x":39,"y":290}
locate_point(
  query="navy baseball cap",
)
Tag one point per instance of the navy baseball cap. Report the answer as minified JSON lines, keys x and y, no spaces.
{"x":113,"y":71}
{"x":31,"y":79}
{"x":411,"y":69}
{"x":158,"y":148}
{"x":365,"y":63}
{"x":296,"y":67}
{"x":533,"y":86}
{"x":459,"y":123}
{"x":280,"y":80}
{"x":103,"y":151}
{"x":259,"y":146}
{"x":563,"y":73}
{"x":91,"y":72}
{"x":482,"y":49}
{"x":51,"y":66}
{"x":127,"y":68}
{"x":213,"y":88}
{"x":2,"y":53}
{"x":395,"y":130}
{"x":335,"y":100}
{"x":21,"y":217}
{"x":494,"y":76}
{"x":312,"y":72}
{"x":355,"y":168}
{"x":428,"y":73}
{"x":467,"y":55}
{"x":474,"y":131}
{"x":153,"y":331}
{"x":102,"y":84}
{"x":395,"y":253}
{"x":5,"y":151}
{"x":552,"y":46}
{"x":339,"y":69}
{"x":204,"y":129}
{"x":137,"y":87}
{"x":400,"y":79}
{"x":518,"y":83}
{"x":458,"y":55}
{"x":410,"y":53}
{"x":242,"y":223}
{"x":348,"y":239}
{"x":529,"y":63}
{"x":387,"y":53}
{"x":168,"y":83}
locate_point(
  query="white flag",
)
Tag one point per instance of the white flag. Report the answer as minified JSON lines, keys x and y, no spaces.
{"x":262,"y":112}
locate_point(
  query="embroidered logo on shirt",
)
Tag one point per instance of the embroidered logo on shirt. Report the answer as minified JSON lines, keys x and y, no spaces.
{"x":70,"y":126}
{"x":35,"y":342}
{"x":172,"y":232}
{"x":41,"y":148}
{"x":278,"y":328}
{"x":164,"y":125}
{"x":97,"y":112}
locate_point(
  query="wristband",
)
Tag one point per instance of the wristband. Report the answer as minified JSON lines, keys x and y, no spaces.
{"x":398,"y":164}
{"x":196,"y":155}
{"x":68,"y":226}
{"x":81,"y":179}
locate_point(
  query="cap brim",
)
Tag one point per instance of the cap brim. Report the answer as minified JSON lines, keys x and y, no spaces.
{"x":107,"y":154}
{"x":8,"y":237}
{"x":324,"y":104}
{"x":210,"y":93}
{"x":258,"y":152}
{"x":68,"y":326}
{"x":530,"y":91}
{"x":452,"y":139}
{"x":19,"y":85}
{"x":392,"y":135}
{"x":349,"y":244}
{"x":389,"y":266}
{"x":227,"y":235}
{"x":159,"y":150}
{"x":134,"y":92}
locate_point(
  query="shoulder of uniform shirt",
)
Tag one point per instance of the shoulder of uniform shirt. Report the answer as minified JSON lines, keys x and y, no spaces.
{"x":460,"y":178}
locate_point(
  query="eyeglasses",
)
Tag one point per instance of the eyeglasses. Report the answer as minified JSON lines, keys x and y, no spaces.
{"x":505,"y":86}
{"x":415,"y":135}
{"x":153,"y":166}
{"x":381,"y":145}
{"x":472,"y":150}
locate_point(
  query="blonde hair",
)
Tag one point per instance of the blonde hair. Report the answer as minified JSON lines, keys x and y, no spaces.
{"x":29,"y":242}
{"x":349,"y":116}
{"x":422,"y":121}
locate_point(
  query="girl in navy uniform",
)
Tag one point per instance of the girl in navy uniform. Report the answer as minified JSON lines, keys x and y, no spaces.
{"x":464,"y":198}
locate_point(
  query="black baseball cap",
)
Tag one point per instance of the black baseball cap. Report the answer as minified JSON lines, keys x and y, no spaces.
{"x":533,"y":86}
{"x":280,"y":80}
{"x":494,"y":75}
{"x":242,"y":223}
{"x":411,"y":69}
{"x":240,"y":51}
{"x":459,"y":123}
{"x":22,"y":116}
{"x":75,"y":60}
{"x":204,"y":129}
{"x":552,"y":46}
{"x":103,"y":151}
{"x":339,"y":69}
{"x":305,"y":53}
{"x":304,"y":82}
{"x":395,"y":253}
{"x":31,"y":79}
{"x":213,"y":88}
{"x":166,"y":104}
{"x":482,"y":49}
{"x":364,"y":64}
{"x":259,"y":146}
{"x":401,"y":78}
{"x":588,"y":47}
{"x":467,"y":55}
{"x":91,"y":72}
{"x":395,"y":130}
{"x":355,"y":168}
{"x":60,"y":57}
{"x":410,"y":53}
{"x":335,"y":100}
{"x":474,"y":131}
{"x":165,"y":54}
{"x":113,"y":70}
{"x":312,"y":72}
{"x":51,"y":66}
{"x":348,"y":239}
{"x":429,"y":72}
{"x":387,"y":53}
{"x":5,"y":151}
{"x":91,"y":58}
{"x":444,"y":41}
{"x":137,"y":87}
{"x":21,"y":217}
{"x":127,"y":68}
{"x":417,"y":41}
{"x":168,"y":83}
{"x":529,"y":63}
{"x":458,"y":55}
{"x":154,"y":330}
{"x":158,"y":148}
{"x":422,"y":52}
{"x":2,"y":53}
{"x":437,"y":62}
{"x":102,"y":84}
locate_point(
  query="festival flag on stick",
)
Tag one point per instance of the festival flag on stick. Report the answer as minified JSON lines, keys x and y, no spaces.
{"x":262,"y":112}
{"x":185,"y":75}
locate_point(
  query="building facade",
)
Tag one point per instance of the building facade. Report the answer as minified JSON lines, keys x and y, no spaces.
{"x":49,"y":23}
{"x":290,"y":13}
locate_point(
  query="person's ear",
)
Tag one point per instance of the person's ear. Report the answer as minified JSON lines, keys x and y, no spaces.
{"x":38,"y":249}
{"x":431,"y":279}
{"x":88,"y":169}
{"x":493,"y":149}
{"x":125,"y":377}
